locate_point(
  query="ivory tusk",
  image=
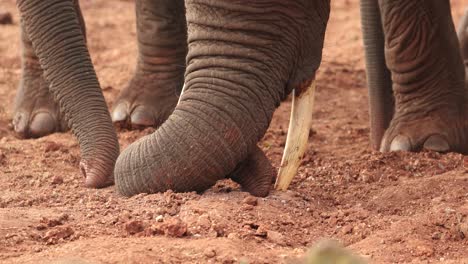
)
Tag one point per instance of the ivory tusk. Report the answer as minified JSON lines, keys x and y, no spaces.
{"x":181,"y":92}
{"x":298,"y":134}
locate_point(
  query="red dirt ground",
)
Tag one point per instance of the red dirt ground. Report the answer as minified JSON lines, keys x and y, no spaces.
{"x":389,"y":208}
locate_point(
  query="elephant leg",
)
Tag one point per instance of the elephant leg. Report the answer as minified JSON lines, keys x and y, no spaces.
{"x":423,"y":55}
{"x":379,"y":82}
{"x":36,"y":114}
{"x":152,"y":93}
{"x":463,"y":39}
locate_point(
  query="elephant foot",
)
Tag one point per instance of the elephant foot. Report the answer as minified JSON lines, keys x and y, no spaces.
{"x":36,"y":114}
{"x":255,"y":174}
{"x":441,"y":132}
{"x":146,"y":102}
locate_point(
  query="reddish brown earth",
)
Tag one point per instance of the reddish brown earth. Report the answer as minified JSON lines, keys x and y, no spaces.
{"x":389,"y":208}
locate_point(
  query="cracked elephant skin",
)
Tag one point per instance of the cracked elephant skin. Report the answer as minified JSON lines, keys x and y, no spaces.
{"x":416,"y":78}
{"x":149,"y":97}
{"x":241,"y":59}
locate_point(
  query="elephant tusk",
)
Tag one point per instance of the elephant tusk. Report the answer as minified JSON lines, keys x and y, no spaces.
{"x":181,"y":92}
{"x":298,"y":133}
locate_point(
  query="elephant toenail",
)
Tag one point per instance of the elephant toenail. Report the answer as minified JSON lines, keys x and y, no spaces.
{"x":400,"y":143}
{"x":20,"y":124}
{"x":142,"y":117}
{"x":42,"y":124}
{"x":436,"y":143}
{"x":120,"y":113}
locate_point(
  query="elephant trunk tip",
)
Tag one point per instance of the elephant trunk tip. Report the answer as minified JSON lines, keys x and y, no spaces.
{"x":95,"y":176}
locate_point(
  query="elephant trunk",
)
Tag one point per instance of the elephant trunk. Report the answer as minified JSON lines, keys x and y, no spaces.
{"x":381,"y":102}
{"x":241,"y":63}
{"x":58,"y":40}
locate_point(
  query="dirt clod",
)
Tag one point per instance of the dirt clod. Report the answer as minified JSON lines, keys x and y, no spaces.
{"x":58,"y":234}
{"x":57,"y":180}
{"x":3,"y":159}
{"x":134,"y":227}
{"x":5,"y":18}
{"x":250,"y":200}
{"x":209,"y":253}
{"x":276,"y":237}
{"x":172,"y":227}
{"x":51,"y":146}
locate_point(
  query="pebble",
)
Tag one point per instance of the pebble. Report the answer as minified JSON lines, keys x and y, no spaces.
{"x":348,"y":229}
{"x":57,"y":180}
{"x":276,"y":237}
{"x":2,"y":158}
{"x":5,"y":18}
{"x":51,"y":146}
{"x":233,"y":236}
{"x":209,"y":253}
{"x":174,"y":227}
{"x":134,"y":227}
{"x":250,"y":200}
{"x":464,"y":229}
{"x":204,"y":222}
{"x":57,"y":233}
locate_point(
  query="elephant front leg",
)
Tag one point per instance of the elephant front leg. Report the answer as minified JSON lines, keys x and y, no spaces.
{"x":152,"y":93}
{"x":36,"y":114}
{"x":423,"y":55}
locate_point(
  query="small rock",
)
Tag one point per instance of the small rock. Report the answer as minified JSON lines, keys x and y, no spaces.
{"x":174,"y":227}
{"x":250,"y":200}
{"x":247,"y":207}
{"x":64,"y":217}
{"x":212,"y":234}
{"x":204,"y":222}
{"x":125,"y":216}
{"x":2,"y":158}
{"x":424,"y":250}
{"x":51,"y":146}
{"x":436,"y":236}
{"x":51,"y":222}
{"x":58,"y":233}
{"x":233,"y":236}
{"x":209,"y":253}
{"x":5,"y":18}
{"x":348,"y":229}
{"x":219,"y":228}
{"x":41,"y":227}
{"x":276,"y":237}
{"x":159,"y":218}
{"x":261,"y":231}
{"x":464,"y":228}
{"x":37,"y":249}
{"x":134,"y":227}
{"x":57,"y":180}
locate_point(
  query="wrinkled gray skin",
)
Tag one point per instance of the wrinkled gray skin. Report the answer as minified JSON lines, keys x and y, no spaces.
{"x":243,"y":58}
{"x":58,"y":53}
{"x":147,"y":100}
{"x":416,"y":58}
